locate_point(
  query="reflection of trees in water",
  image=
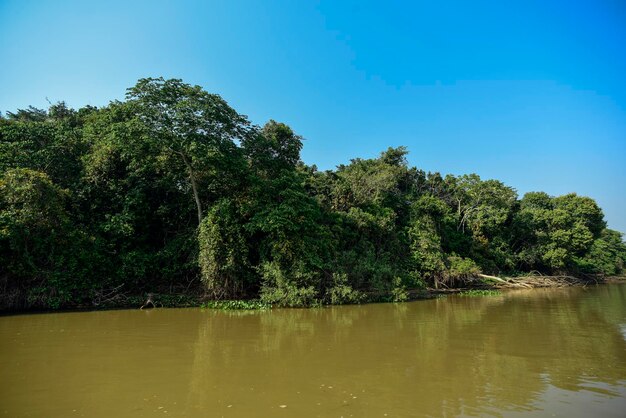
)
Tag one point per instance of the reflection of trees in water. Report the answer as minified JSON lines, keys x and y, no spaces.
{"x":441,"y":357}
{"x":574,"y":334}
{"x":252,"y":360}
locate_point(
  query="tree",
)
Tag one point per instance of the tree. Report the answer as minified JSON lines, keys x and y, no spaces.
{"x":607,"y":255}
{"x":33,"y":228}
{"x":272,"y":149}
{"x":50,"y":142}
{"x":482,"y":206}
{"x":223,"y":255}
{"x":370,"y":182}
{"x":551,"y":233}
{"x":483,"y":211}
{"x":172,"y":185}
{"x":195,"y":126}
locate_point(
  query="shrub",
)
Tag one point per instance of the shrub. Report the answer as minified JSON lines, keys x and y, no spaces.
{"x":280,"y":290}
{"x":341,"y":292}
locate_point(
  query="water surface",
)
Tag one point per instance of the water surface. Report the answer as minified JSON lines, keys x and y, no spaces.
{"x":559,"y":352}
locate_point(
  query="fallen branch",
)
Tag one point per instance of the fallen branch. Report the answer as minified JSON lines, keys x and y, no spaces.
{"x":497,"y":279}
{"x":507,"y":283}
{"x":148,"y":302}
{"x":111,"y":296}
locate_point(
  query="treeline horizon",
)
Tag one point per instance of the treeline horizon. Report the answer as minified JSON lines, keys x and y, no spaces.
{"x":173,"y":191}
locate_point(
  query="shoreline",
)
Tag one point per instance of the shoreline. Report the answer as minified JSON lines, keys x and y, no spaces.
{"x":173,"y":300}
{"x":528,"y":282}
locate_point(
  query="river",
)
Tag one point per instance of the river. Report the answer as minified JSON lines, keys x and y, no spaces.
{"x":553,"y":352}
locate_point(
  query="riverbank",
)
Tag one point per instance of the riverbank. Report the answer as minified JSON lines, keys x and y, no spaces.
{"x":199,"y":299}
{"x":482,"y":283}
{"x":487,"y":282}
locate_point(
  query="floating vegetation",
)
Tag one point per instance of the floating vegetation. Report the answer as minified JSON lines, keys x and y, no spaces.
{"x":231,"y":305}
{"x":480,"y":292}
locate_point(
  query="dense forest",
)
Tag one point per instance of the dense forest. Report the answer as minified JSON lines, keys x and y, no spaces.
{"x":173,"y":191}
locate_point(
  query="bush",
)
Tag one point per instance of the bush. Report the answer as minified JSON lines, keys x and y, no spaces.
{"x":229,"y":305}
{"x":341,"y":292}
{"x":223,"y":252}
{"x":280,"y":290}
{"x":460,"y":268}
{"x":398,"y":291}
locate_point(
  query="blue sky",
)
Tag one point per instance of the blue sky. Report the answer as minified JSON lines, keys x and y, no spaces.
{"x":532,"y":93}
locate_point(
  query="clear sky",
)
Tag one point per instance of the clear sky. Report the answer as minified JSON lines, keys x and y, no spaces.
{"x":532,"y":93}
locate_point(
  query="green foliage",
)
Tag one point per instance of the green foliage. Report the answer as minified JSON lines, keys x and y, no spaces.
{"x":223,"y":256}
{"x":426,"y":249}
{"x":273,"y":149}
{"x":282,"y":289}
{"x":341,"y":292}
{"x":398,"y":291}
{"x":41,"y":256}
{"x":480,"y":292}
{"x":195,"y":128}
{"x":607,"y":255}
{"x":483,"y":206}
{"x":552,"y":233}
{"x":371,"y":182}
{"x":30,"y":202}
{"x":171,"y":191}
{"x":49,"y":142}
{"x":230,"y":305}
{"x":460,"y":268}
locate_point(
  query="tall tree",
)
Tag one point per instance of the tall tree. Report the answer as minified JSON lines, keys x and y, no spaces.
{"x":191,"y":124}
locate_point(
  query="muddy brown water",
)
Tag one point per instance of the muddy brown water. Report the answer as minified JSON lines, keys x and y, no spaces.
{"x":558,"y":352}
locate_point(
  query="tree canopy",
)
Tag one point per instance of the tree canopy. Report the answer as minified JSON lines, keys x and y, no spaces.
{"x":173,"y":190}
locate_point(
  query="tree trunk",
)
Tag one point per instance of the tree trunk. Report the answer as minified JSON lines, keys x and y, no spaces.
{"x":194,"y":188}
